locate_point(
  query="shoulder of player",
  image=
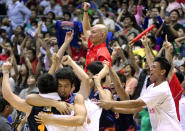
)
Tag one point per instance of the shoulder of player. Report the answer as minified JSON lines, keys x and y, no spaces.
{"x":79,"y":98}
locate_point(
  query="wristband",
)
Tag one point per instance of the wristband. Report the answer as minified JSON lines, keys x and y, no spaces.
{"x":85,"y":10}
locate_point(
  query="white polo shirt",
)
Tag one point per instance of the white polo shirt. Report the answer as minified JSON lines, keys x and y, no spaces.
{"x":161,"y":108}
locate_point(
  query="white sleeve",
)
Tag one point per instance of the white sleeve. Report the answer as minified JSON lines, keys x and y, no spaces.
{"x":27,"y":13}
{"x":182,"y":113}
{"x":154,"y":97}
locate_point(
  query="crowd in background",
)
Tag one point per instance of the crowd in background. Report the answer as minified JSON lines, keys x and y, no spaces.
{"x":31,"y":31}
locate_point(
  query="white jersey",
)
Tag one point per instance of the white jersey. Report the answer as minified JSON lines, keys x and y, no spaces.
{"x":93,"y":113}
{"x":161,"y":108}
{"x":182,"y":112}
{"x":64,"y":128}
{"x":52,"y":127}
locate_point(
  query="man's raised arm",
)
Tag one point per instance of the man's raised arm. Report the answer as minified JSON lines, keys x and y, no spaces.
{"x":86,"y":22}
{"x":85,"y":82}
{"x":149,"y":55}
{"x":13,"y":99}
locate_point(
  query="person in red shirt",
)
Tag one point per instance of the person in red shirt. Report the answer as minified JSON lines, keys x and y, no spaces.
{"x":174,"y":83}
{"x":97,"y":50}
{"x":7,"y":50}
{"x":176,"y":90}
{"x":32,"y":60}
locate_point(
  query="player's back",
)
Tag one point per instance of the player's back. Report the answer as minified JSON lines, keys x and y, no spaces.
{"x":33,"y":125}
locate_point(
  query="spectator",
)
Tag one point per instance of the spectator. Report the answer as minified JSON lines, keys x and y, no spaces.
{"x":128,"y":26}
{"x":172,"y":28}
{"x":31,"y":82}
{"x":97,"y":46}
{"x":45,"y":3}
{"x":5,"y":110}
{"x":18,"y":14}
{"x":136,"y":10}
{"x":105,"y":20}
{"x":179,"y":44}
{"x":55,"y":8}
{"x":154,"y":18}
{"x":121,"y":94}
{"x":173,"y":4}
{"x":131,"y":82}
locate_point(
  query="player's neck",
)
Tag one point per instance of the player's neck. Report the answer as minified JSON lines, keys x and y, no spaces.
{"x":159,"y":81}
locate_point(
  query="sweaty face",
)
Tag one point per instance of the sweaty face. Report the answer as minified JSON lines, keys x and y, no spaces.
{"x":64,"y":88}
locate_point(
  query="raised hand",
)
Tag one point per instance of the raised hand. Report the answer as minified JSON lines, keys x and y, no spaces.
{"x":96,"y":79}
{"x":106,"y":63}
{"x":69,"y":36}
{"x":53,"y":40}
{"x":167,"y":45}
{"x":66,"y":60}
{"x":6,"y":66}
{"x":144,"y":40}
{"x":130,"y":44}
{"x":83,"y":38}
{"x":55,"y":58}
{"x":86,"y":6}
